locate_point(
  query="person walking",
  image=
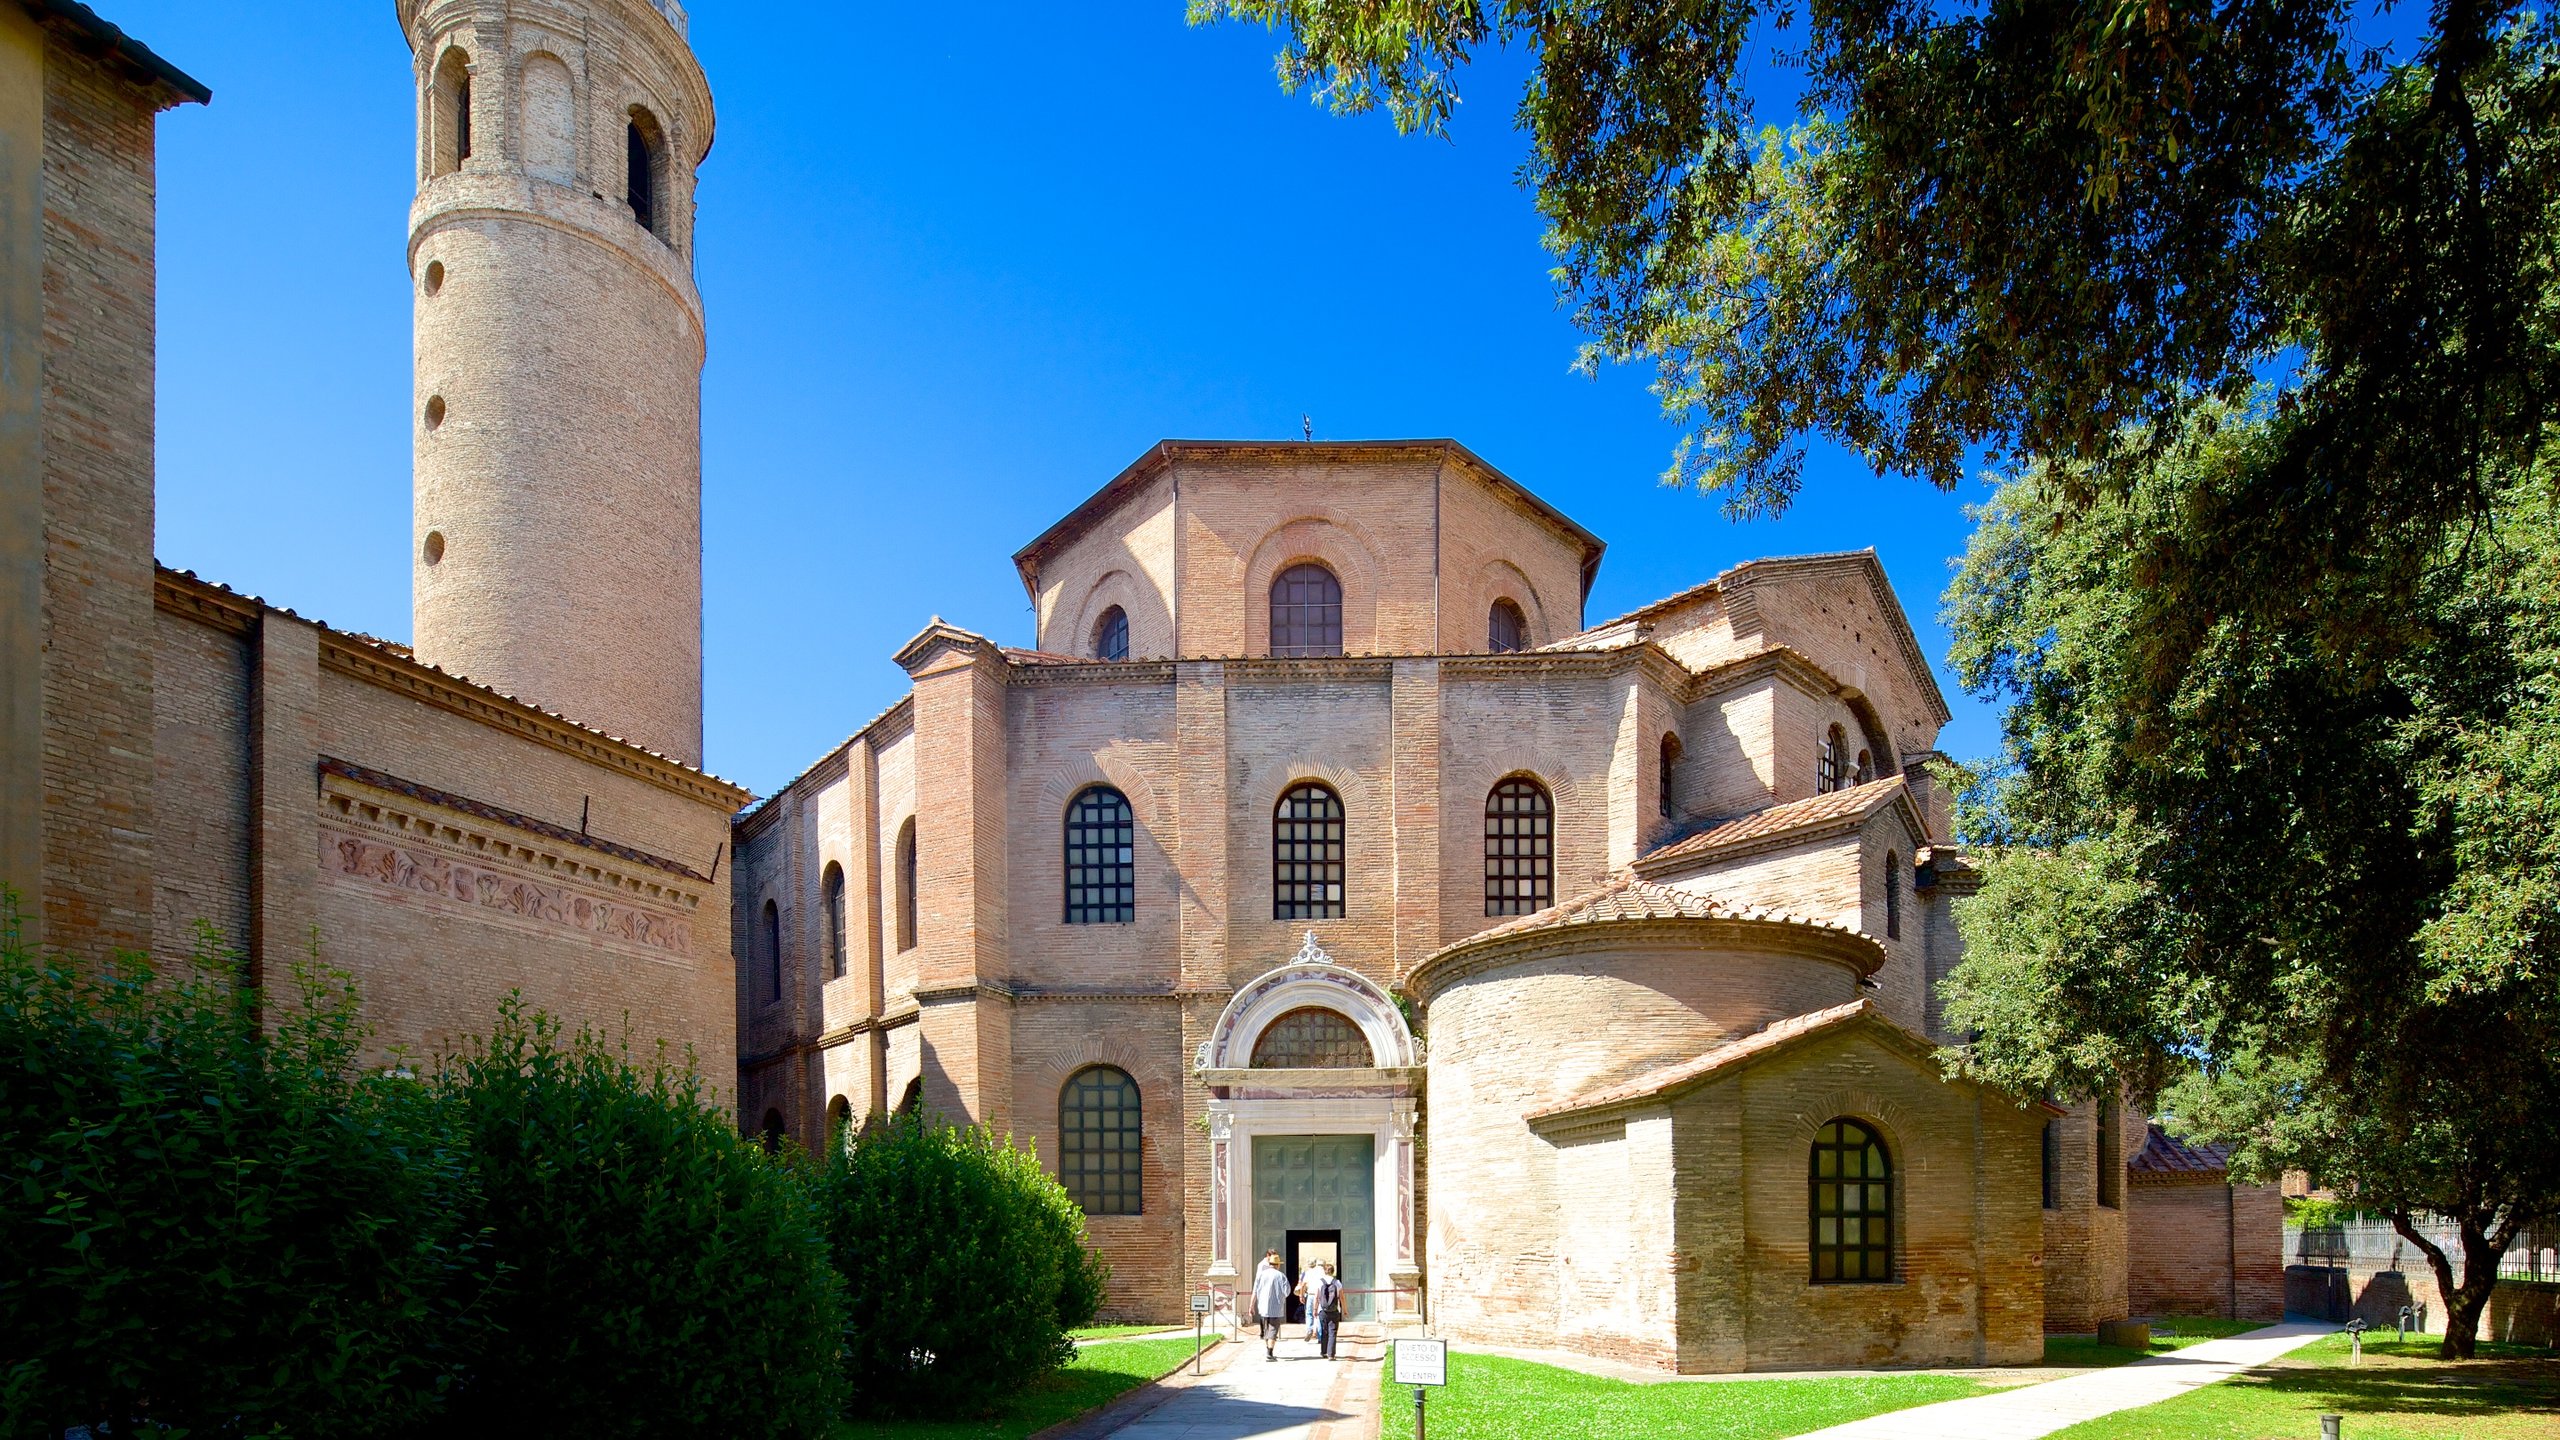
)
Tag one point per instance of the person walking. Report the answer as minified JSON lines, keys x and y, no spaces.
{"x":1270,"y":1302}
{"x":1324,"y":1308}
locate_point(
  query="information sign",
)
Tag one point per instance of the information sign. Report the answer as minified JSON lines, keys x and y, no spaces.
{"x":1422,"y":1362}
{"x":1199,"y":1304}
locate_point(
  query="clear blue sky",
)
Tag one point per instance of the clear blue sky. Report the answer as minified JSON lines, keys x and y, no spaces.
{"x":962,"y":265}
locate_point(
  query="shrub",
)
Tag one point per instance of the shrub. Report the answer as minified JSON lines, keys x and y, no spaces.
{"x":214,"y":1228}
{"x":663,"y":1276}
{"x":964,"y":1265}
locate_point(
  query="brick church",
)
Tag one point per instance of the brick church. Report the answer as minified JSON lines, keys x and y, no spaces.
{"x":1321,"y":879}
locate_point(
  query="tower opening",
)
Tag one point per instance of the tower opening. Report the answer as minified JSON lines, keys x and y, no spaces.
{"x":641,"y":159}
{"x":449,"y":114}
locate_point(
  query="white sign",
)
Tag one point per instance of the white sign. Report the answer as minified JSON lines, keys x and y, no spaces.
{"x":1199,"y":1304}
{"x":1422,"y":1362}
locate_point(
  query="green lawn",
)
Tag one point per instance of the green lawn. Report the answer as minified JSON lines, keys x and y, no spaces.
{"x":2400,"y":1392}
{"x":1491,"y":1398}
{"x":2085,"y":1353}
{"x":1114,"y":1332}
{"x":1099,"y":1373}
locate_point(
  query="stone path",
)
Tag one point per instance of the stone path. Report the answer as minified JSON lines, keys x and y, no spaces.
{"x":2037,"y":1410}
{"x":1297,"y":1397}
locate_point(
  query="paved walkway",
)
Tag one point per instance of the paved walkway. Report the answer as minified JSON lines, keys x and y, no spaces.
{"x":1297,"y":1397}
{"x":2037,"y":1410}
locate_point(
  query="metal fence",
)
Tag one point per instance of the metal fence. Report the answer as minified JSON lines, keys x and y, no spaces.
{"x":2375,"y":1245}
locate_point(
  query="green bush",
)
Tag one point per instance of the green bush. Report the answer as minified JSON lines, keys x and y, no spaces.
{"x":663,"y":1276}
{"x":214,"y":1228}
{"x":964,"y":1265}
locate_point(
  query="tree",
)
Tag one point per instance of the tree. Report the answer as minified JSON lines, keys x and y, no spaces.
{"x":2319,"y":913}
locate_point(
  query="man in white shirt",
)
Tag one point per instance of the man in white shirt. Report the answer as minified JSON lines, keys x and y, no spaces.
{"x":1270,"y":1302}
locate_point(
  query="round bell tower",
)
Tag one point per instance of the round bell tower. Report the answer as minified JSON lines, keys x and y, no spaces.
{"x":558,"y":415}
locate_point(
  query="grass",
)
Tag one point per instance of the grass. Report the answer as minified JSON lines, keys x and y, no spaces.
{"x":1492,"y":1398}
{"x":2400,"y":1392}
{"x":1114,"y":1332}
{"x":1098,"y":1373}
{"x":2083,"y":1352}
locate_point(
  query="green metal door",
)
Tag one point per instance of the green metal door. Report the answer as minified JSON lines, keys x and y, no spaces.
{"x":1319,"y":1182}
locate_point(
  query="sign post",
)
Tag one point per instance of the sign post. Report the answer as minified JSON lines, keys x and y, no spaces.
{"x":1199,"y":1313}
{"x":1421,"y":1364}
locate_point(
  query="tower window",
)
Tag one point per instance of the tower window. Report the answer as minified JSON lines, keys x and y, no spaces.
{"x":1306,"y":612}
{"x":1506,"y":629}
{"x":1111,"y":635}
{"x":1852,"y":1195}
{"x":1307,"y":855}
{"x":1102,"y":870}
{"x":448,"y":122}
{"x":644,"y":149}
{"x":1519,"y":848}
{"x":833,"y":889}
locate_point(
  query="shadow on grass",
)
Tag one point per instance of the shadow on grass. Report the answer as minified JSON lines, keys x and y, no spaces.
{"x":1099,"y":1374}
{"x":2526,"y":1381}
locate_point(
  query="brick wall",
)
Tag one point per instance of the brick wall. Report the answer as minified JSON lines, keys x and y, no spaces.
{"x":2197,"y":1246}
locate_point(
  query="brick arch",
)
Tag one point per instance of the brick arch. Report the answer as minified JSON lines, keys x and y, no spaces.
{"x":1071,"y":777}
{"x":1889,"y":1118}
{"x":1150,"y":629}
{"x":1047,"y":1080}
{"x":1502,"y":580}
{"x":1324,"y":537}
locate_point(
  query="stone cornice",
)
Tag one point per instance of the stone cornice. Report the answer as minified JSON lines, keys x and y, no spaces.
{"x":1822,"y":944}
{"x":556,"y":835}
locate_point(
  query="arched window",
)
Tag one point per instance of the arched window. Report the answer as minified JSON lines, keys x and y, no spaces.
{"x":2110,"y":1150}
{"x":2052,"y":1167}
{"x":1312,"y":1038}
{"x":1306,"y":612}
{"x":773,"y":1131}
{"x":1667,"y":801}
{"x":644,"y":169}
{"x":1826,"y":777}
{"x":449,"y":114}
{"x":1307,"y":854}
{"x":769,"y":942}
{"x":1519,"y":848}
{"x":911,"y":1099}
{"x":1111,"y":635}
{"x":907,"y":885}
{"x":1506,"y":629}
{"x":1099,"y":1129}
{"x":1102,"y":868}
{"x":1851,"y":1185}
{"x":1892,"y":896}
{"x":839,"y":1113}
{"x":831,"y":889}
{"x":1866,"y":767}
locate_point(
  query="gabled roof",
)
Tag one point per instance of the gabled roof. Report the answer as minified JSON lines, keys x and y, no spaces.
{"x":2165,"y":1154}
{"x":1164,"y":453}
{"x":1838,"y":809}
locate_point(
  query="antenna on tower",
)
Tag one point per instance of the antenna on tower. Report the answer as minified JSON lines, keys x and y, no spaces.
{"x":1307,"y":427}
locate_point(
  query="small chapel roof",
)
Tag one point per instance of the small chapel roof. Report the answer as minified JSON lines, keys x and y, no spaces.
{"x":1837,"y":807}
{"x":106,"y":41}
{"x":2165,"y":1154}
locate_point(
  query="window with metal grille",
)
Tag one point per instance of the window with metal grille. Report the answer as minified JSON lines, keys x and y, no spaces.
{"x":1111,"y":635}
{"x":1307,"y":855}
{"x":1519,"y":848}
{"x":832,"y":888}
{"x":1851,"y":1181}
{"x":1506,"y":629}
{"x":1306,"y":612}
{"x":1827,"y":771}
{"x":1668,"y":802}
{"x":907,"y":885}
{"x":1102,"y":870}
{"x":769,"y":940}
{"x":1312,"y":1038}
{"x":1099,"y":1130}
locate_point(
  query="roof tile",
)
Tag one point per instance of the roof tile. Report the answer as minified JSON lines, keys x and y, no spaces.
{"x":1856,"y":802}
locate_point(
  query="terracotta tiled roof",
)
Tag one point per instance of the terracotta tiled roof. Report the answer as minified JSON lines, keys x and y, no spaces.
{"x":1854,"y":803}
{"x":1625,"y":897}
{"x":2164,"y":1154}
{"x":1723,"y":1057}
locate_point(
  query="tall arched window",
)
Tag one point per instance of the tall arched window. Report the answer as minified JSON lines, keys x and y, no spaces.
{"x":1519,"y":848}
{"x":449,"y":117}
{"x":1111,"y":635}
{"x":907,"y":885}
{"x":1306,"y":612}
{"x":1099,"y":1132}
{"x":1667,"y":801}
{"x":2110,"y":1150}
{"x":644,"y":169}
{"x":831,"y":888}
{"x":1851,"y":1185}
{"x":1307,"y":854}
{"x":769,"y":942}
{"x":1506,"y":629}
{"x":1102,"y":867}
{"x":1827,"y":770}
{"x":1892,"y":896}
